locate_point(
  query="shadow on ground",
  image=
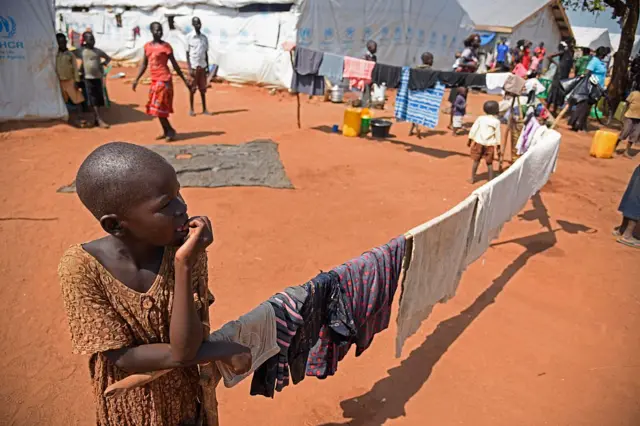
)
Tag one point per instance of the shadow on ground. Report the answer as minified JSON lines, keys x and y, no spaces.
{"x":388,"y":397}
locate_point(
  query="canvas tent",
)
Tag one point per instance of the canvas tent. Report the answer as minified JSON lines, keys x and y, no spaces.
{"x":29,"y":87}
{"x":592,"y":37}
{"x":246,"y":38}
{"x":534,"y":20}
{"x":615,"y":43}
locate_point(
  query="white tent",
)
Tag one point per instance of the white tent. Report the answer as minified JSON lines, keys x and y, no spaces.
{"x":245,"y":37}
{"x":615,"y":43}
{"x":592,"y":37}
{"x":534,"y":20}
{"x":29,"y":87}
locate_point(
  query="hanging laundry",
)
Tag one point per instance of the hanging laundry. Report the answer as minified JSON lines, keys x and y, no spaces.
{"x":332,"y":67}
{"x":274,"y":373}
{"x":526,"y":135}
{"x":388,"y":74}
{"x":305,"y":76}
{"x":369,"y":283}
{"x":255,"y":330}
{"x":358,"y":71}
{"x":421,"y":79}
{"x":324,"y":306}
{"x":474,"y":80}
{"x":421,"y":107}
{"x":496,"y":200}
{"x":537,"y":164}
{"x":434,"y":266}
{"x":495,"y":82}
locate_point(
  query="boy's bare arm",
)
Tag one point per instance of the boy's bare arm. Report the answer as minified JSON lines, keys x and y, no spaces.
{"x":158,"y":356}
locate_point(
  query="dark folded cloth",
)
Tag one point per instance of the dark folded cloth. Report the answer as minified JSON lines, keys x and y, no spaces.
{"x":388,"y":74}
{"x":422,"y":79}
{"x":305,"y":76}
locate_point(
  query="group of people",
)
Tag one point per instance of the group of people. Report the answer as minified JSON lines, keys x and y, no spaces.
{"x":85,"y":85}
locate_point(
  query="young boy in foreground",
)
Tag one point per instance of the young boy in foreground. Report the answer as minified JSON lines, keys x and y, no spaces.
{"x":484,"y":137}
{"x":136,"y":298}
{"x":157,"y":54}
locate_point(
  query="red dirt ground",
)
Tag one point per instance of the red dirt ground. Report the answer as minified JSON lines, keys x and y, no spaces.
{"x":543,"y":329}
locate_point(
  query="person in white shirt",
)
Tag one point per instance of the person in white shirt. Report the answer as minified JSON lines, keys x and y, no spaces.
{"x":198,"y":61}
{"x":484,"y":137}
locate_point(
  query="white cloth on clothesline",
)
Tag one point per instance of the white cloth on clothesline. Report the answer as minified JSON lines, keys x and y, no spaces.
{"x":434,"y":266}
{"x":495,"y":82}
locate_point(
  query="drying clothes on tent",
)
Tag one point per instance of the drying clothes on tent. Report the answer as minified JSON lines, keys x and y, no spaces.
{"x":387,"y":74}
{"x":526,"y":135}
{"x":369,"y":283}
{"x":305,"y":77}
{"x":494,"y":209}
{"x":255,"y":330}
{"x":421,"y":107}
{"x":332,"y":67}
{"x":358,"y":72}
{"x":274,"y":373}
{"x":421,"y":79}
{"x":436,"y":260}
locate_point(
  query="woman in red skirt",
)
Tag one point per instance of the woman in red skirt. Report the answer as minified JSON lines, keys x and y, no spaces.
{"x":157,"y":54}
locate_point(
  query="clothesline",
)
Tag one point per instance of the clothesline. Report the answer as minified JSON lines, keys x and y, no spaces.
{"x":311,"y":67}
{"x":307,"y":330}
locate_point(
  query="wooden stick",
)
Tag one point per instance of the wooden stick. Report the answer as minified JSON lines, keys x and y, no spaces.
{"x":506,"y":135}
{"x":297,"y":94}
{"x":562,"y":113}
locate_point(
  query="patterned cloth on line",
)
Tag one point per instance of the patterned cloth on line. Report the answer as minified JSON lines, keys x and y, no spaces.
{"x":421,"y":107}
{"x":160,"y":102}
{"x":358,"y":71}
{"x":369,"y":283}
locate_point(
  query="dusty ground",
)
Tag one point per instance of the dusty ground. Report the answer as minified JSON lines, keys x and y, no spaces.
{"x":544,"y":329}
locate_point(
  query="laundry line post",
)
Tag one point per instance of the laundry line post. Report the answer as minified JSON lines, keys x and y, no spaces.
{"x":293,"y":66}
{"x":507,"y":134}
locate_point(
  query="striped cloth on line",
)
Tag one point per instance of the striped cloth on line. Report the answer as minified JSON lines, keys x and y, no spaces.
{"x":421,"y":107}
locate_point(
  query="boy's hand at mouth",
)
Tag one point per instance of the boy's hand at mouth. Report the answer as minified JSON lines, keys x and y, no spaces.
{"x":199,"y":238}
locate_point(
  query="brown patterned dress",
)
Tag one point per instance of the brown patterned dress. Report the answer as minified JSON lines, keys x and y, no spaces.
{"x":104,"y":314}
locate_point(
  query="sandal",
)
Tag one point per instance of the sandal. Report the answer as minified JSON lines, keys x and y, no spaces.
{"x":629,"y":243}
{"x":616,"y":232}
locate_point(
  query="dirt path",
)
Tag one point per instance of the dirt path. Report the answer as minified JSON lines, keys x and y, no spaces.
{"x":543,"y":330}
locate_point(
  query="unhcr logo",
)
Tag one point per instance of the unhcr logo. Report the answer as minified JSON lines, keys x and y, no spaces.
{"x":7,"y":27}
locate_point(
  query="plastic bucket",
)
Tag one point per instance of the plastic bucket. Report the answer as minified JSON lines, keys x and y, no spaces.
{"x":380,"y":128}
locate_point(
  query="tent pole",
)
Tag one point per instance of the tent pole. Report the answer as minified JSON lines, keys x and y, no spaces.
{"x":297,"y":94}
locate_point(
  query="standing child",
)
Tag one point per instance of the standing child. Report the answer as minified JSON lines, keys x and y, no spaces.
{"x":458,"y":109}
{"x":198,"y":61}
{"x":631,"y":130}
{"x":137,"y":300}
{"x":427,"y":63}
{"x":484,"y":137}
{"x":67,"y":70}
{"x":93,"y":62}
{"x":157,"y":54}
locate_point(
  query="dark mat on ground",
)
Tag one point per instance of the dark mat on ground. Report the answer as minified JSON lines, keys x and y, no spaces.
{"x":254,"y":163}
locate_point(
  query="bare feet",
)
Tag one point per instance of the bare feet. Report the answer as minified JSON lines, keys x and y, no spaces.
{"x":205,"y":112}
{"x":191,"y":113}
{"x":102,"y":124}
{"x":471,"y":181}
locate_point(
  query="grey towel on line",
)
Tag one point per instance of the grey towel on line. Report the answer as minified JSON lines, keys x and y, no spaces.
{"x":332,"y":67}
{"x":305,"y":72}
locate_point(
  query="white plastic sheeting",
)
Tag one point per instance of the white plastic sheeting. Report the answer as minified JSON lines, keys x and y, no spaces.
{"x":591,"y":37}
{"x":152,"y":4}
{"x":403,"y":29}
{"x":245,"y":45}
{"x":29,"y":87}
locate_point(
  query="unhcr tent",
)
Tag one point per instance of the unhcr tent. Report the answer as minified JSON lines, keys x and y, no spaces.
{"x":615,"y":43}
{"x":534,"y":20}
{"x":592,"y":37}
{"x":245,"y":38}
{"x":29,"y":87}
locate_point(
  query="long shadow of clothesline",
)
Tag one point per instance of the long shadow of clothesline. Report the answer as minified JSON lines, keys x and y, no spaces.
{"x":388,"y":397}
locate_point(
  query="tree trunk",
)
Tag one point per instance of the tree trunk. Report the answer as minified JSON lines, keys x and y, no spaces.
{"x":619,"y":79}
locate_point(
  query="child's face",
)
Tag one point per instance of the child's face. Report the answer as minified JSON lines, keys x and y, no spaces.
{"x":89,"y":40}
{"x":62,"y":42}
{"x":156,"y":32}
{"x":159,"y":218}
{"x":197,"y":25}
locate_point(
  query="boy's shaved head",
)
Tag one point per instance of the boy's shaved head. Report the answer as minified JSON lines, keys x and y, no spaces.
{"x":116,"y":176}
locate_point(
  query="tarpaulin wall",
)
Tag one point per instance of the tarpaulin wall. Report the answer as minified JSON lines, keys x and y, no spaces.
{"x":245,"y":45}
{"x":29,"y":87}
{"x":403,"y":29}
